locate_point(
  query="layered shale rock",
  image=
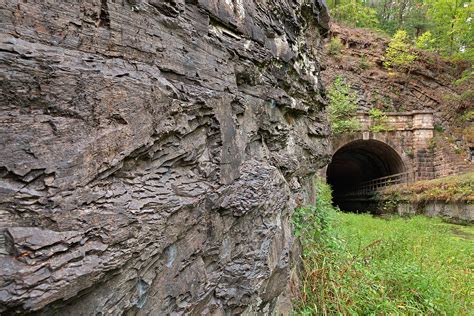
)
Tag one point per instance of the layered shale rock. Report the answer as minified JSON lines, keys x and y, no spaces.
{"x":152,"y":153}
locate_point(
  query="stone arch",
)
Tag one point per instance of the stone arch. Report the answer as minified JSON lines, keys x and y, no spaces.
{"x":362,"y":160}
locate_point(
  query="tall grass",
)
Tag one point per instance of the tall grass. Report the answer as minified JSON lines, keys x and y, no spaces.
{"x":363,"y":265}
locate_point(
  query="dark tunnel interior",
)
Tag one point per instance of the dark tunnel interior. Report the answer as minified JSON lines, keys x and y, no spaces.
{"x":357,"y":162}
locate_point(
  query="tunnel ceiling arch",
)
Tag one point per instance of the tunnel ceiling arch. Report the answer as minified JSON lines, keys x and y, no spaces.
{"x":360,"y":161}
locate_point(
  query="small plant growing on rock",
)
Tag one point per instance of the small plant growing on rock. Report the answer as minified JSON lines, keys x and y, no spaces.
{"x":363,"y":62}
{"x":432,"y":145}
{"x":335,"y":46}
{"x":342,"y":107}
{"x":438,"y":128}
{"x":379,"y":121}
{"x":466,"y":76}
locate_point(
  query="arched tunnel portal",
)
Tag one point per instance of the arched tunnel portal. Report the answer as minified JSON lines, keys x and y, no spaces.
{"x":357,"y":162}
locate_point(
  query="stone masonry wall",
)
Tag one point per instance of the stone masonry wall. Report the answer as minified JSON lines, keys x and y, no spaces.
{"x":152,"y":153}
{"x":410,"y":135}
{"x":447,"y":161}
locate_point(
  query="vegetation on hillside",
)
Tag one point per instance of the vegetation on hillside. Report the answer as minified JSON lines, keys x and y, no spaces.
{"x":427,"y":63}
{"x":361,"y":265}
{"x":458,"y":188}
{"x":342,"y":107}
{"x":442,"y":26}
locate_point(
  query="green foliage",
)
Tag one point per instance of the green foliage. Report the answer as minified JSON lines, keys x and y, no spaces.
{"x":355,"y":14}
{"x":466,"y":76}
{"x":453,"y":27}
{"x":401,"y":14}
{"x":438,"y":128}
{"x":379,"y":121}
{"x":363,"y":62}
{"x":361,"y":265}
{"x":313,"y":223}
{"x":398,"y":54}
{"x":315,"y":228}
{"x":335,"y":46}
{"x":468,"y":116}
{"x":425,"y":41}
{"x":377,"y":114}
{"x":342,"y":107}
{"x":444,"y":26}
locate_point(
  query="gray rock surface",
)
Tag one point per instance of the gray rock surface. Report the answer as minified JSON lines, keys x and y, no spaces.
{"x":152,"y":152}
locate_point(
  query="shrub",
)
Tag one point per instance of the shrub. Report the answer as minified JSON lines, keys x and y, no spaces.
{"x":399,"y":53}
{"x":342,"y":107}
{"x":312,"y":224}
{"x":363,"y":62}
{"x":335,"y":46}
{"x":379,"y":121}
{"x":425,"y":41}
{"x":438,"y":128}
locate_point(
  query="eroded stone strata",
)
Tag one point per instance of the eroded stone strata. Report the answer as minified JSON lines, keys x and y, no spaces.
{"x":152,"y":151}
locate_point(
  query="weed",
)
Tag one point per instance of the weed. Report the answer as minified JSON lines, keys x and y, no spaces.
{"x":379,"y":121}
{"x":468,"y":116}
{"x":432,"y":145}
{"x":335,"y":46}
{"x":438,"y":128}
{"x":410,"y":153}
{"x":364,"y":62}
{"x":361,"y":265}
{"x":458,"y":150}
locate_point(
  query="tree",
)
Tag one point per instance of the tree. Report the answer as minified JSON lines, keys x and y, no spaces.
{"x":399,"y":52}
{"x":450,"y":22}
{"x":355,"y":14}
{"x":452,"y":29}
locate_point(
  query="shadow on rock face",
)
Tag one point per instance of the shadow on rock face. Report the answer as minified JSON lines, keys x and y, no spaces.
{"x":153,"y":154}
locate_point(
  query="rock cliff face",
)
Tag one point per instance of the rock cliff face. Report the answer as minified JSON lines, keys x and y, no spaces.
{"x":152,"y":153}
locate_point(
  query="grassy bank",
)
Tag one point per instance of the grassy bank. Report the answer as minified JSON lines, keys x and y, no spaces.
{"x":458,"y":188}
{"x":359,"y":264}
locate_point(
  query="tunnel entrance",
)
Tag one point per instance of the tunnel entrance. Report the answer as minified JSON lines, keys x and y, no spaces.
{"x":357,"y":162}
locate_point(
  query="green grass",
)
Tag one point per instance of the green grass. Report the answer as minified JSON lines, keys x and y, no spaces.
{"x":357,"y":264}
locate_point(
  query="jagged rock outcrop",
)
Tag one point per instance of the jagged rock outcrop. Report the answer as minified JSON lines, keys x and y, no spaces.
{"x":152,"y":153}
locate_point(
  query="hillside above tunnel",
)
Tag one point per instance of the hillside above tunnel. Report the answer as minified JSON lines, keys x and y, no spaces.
{"x":393,"y":124}
{"x":433,"y":83}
